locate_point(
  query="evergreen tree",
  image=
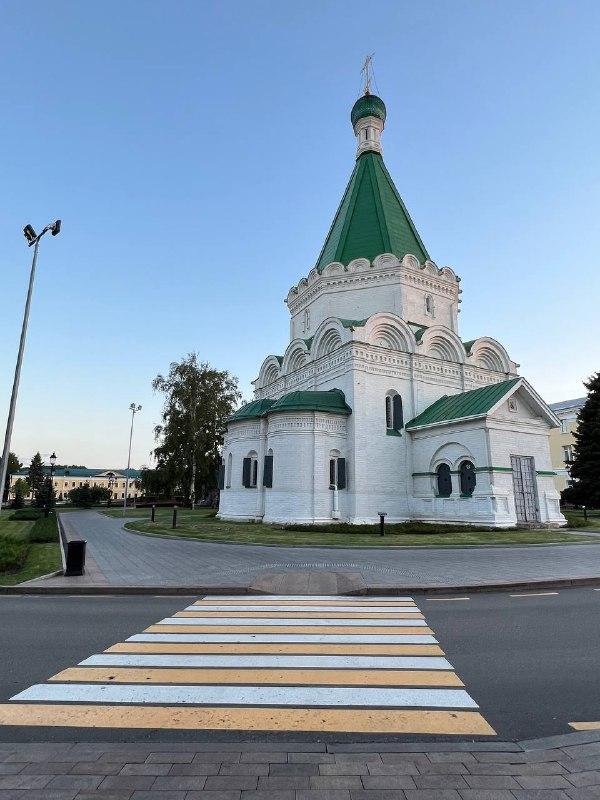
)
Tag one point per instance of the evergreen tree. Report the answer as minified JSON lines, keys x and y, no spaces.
{"x":45,"y":497}
{"x":586,"y":466}
{"x":20,"y":490}
{"x":35,"y":477}
{"x":14,"y":465}
{"x":198,"y":400}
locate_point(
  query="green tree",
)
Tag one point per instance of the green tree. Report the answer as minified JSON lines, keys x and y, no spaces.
{"x":585,"y":470}
{"x":35,"y":476}
{"x":157,"y":482}
{"x":197,"y":401}
{"x":99,"y":494}
{"x":45,"y":497}
{"x":20,"y":490}
{"x":81,"y":496}
{"x":14,"y":465}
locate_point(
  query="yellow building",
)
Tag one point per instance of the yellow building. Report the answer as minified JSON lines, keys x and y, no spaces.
{"x":66,"y":478}
{"x":562,"y":441}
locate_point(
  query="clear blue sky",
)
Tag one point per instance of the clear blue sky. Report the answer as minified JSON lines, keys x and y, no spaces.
{"x":196,"y":152}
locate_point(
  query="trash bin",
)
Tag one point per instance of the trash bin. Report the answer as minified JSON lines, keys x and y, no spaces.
{"x":75,"y":557}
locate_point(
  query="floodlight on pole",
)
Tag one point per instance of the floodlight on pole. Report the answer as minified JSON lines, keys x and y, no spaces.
{"x":32,"y":239}
{"x":134,"y":410}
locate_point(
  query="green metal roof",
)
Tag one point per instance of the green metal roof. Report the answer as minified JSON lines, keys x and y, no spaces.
{"x":332,"y":401}
{"x":369,"y":105}
{"x":82,"y":472}
{"x":371,"y":219}
{"x":475,"y":403}
{"x":252,"y":410}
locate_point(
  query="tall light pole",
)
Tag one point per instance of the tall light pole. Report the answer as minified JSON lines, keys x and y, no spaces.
{"x":134,"y":410}
{"x":32,"y":239}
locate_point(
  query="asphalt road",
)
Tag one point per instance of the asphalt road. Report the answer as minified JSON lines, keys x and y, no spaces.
{"x":531,"y":663}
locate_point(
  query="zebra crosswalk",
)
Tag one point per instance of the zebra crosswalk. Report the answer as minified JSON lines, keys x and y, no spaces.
{"x":268,"y":663}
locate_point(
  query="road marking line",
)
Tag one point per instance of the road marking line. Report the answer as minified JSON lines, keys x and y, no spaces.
{"x":305,"y":696}
{"x":349,"y":638}
{"x":584,"y":726}
{"x":297,"y":662}
{"x":459,"y":723}
{"x":445,"y":599}
{"x":334,"y":677}
{"x":282,"y":649}
{"x":533,"y":594}
{"x":296,"y":621}
{"x":295,"y":608}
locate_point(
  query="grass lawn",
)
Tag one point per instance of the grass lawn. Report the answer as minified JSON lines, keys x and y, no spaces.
{"x":202,"y":524}
{"x":28,"y":549}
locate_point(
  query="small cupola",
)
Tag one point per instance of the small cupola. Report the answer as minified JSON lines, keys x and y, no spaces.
{"x":368,"y":121}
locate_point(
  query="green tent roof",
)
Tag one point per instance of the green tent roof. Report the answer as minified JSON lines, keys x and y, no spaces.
{"x":371,"y":219}
{"x":475,"y":403}
{"x":332,"y":401}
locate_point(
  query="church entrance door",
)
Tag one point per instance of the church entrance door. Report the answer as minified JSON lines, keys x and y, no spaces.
{"x":524,"y":485}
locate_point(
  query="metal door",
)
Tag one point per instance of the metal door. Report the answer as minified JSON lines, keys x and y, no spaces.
{"x":524,"y":485}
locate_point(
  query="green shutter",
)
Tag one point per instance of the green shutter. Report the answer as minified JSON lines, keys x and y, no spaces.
{"x":341,"y":473}
{"x":268,"y":472}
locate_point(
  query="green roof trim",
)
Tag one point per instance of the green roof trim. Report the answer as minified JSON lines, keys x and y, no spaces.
{"x":468,"y":345}
{"x":475,"y":403}
{"x":82,"y":472}
{"x":371,"y":219}
{"x":332,"y":401}
{"x":308,"y":342}
{"x":280,"y":359}
{"x":353,"y":323}
{"x":253,"y":410}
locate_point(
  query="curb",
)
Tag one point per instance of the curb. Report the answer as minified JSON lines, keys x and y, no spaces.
{"x":383,"y":591}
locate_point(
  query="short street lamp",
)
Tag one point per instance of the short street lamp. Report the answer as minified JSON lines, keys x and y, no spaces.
{"x":134,"y":410}
{"x":52,"y":465}
{"x":32,"y":239}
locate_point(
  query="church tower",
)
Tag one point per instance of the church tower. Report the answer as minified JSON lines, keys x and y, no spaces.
{"x":377,"y":404}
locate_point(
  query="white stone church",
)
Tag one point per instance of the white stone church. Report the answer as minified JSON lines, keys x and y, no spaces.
{"x":377,"y":404}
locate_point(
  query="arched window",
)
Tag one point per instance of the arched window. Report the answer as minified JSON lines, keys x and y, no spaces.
{"x":468,"y":478}
{"x":444,"y":481}
{"x":394,"y":418}
{"x":250,"y":470}
{"x":228,"y":472}
{"x":429,"y":308}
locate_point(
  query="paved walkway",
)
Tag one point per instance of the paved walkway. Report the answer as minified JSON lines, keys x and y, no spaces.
{"x":303,"y":771}
{"x":120,"y":558}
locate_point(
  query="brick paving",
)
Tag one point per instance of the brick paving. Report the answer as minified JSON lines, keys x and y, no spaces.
{"x":118,"y":557}
{"x":559,"y":768}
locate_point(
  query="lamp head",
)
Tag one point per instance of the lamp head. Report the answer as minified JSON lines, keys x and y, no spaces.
{"x":53,"y":459}
{"x":55,"y":227}
{"x":29,"y":234}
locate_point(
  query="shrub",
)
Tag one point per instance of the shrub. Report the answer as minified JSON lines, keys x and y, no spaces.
{"x":44,"y":530}
{"x":13,"y":553}
{"x":576,"y":520}
{"x":26,"y":513}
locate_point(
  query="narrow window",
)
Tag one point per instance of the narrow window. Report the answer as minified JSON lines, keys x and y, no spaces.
{"x":444,"y":481}
{"x":468,"y":478}
{"x":398,"y":416}
{"x":429,"y":305}
{"x":268,"y":470}
{"x":254,"y":478}
{"x":389,"y":417}
{"x":332,"y":472}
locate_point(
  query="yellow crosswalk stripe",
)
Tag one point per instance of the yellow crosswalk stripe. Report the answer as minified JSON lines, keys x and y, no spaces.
{"x":584,"y":726}
{"x":298,"y":677}
{"x":421,"y":721}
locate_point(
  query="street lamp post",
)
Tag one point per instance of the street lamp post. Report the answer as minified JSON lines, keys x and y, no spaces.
{"x":32,"y":239}
{"x":134,"y":410}
{"x":111,"y":483}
